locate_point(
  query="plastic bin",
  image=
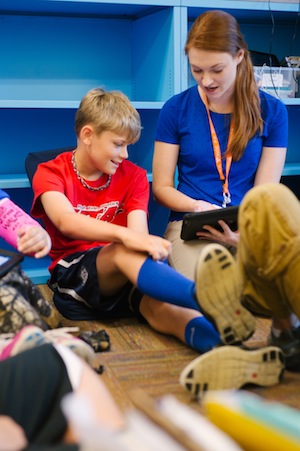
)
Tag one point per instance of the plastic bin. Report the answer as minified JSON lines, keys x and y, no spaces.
{"x":279,"y":81}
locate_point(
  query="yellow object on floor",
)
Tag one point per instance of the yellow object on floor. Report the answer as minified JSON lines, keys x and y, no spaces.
{"x":254,"y":423}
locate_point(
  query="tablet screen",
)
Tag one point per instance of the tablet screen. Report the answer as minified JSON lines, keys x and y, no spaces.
{"x":194,"y":222}
{"x":8,"y":259}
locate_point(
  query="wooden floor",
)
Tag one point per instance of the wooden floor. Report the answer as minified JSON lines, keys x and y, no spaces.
{"x":142,"y":358}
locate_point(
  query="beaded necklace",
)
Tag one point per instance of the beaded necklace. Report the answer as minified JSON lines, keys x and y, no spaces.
{"x":83,"y":182}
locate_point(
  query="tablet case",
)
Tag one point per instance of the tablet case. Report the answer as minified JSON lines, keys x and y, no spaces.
{"x":194,"y":222}
{"x":8,"y":259}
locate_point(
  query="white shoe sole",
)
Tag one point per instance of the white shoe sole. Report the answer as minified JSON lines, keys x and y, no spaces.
{"x":219,"y":289}
{"x":230,"y":367}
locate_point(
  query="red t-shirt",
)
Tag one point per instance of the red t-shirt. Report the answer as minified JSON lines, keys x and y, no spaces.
{"x":128,"y":191}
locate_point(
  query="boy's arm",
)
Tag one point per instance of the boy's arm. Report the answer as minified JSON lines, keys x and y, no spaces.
{"x":137,"y":220}
{"x":76,"y":226}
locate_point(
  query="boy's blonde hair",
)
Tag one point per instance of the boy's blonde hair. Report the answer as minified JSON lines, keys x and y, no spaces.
{"x":108,"y":111}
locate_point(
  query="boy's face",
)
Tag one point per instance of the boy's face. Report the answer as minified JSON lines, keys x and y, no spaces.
{"x":107,"y":151}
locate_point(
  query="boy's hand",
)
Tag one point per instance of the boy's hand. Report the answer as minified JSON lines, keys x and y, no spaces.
{"x":34,"y":240}
{"x":157,"y":247}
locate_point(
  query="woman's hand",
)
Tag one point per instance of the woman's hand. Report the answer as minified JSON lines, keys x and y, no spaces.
{"x":12,"y":436}
{"x":34,"y":240}
{"x":202,"y":205}
{"x":226,"y":237}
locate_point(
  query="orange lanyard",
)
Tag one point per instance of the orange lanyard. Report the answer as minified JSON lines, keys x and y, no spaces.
{"x":218,"y":159}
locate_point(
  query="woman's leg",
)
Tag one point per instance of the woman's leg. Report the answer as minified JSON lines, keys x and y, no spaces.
{"x":184,"y":255}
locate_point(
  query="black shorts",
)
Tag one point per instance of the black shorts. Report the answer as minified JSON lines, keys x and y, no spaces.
{"x":32,"y":385}
{"x":74,"y":282}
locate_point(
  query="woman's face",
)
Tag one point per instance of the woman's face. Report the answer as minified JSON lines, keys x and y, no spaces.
{"x":214,"y":72}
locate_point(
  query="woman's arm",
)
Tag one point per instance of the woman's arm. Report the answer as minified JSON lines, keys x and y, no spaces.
{"x":271,"y":165}
{"x":163,"y":171}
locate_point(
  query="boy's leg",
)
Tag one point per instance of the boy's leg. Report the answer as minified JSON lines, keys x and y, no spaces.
{"x":187,"y":325}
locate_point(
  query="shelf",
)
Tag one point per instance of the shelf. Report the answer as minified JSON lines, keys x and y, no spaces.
{"x":14,"y":181}
{"x":72,"y":56}
{"x":65,"y":104}
{"x":291,"y":169}
{"x":36,"y":270}
{"x":11,"y":181}
{"x":250,"y":9}
{"x":117,"y":8}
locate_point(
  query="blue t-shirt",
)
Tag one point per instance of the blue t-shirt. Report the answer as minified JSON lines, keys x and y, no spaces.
{"x":183,"y":120}
{"x":3,"y":194}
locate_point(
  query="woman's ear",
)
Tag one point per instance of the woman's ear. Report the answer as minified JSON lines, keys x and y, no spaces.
{"x":240,"y":56}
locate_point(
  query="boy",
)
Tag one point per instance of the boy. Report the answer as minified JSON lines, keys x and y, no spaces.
{"x":105,"y":263}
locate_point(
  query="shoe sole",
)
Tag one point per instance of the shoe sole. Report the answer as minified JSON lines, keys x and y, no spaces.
{"x":230,"y":367}
{"x":219,"y":289}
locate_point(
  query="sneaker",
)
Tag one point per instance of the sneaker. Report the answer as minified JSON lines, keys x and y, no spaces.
{"x":31,"y":336}
{"x":28,"y":337}
{"x":290,"y":345}
{"x":230,"y":367}
{"x":219,"y":287}
{"x":80,"y":347}
{"x":99,"y":341}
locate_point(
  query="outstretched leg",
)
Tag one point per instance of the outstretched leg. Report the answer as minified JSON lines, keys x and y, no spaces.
{"x":269,"y":257}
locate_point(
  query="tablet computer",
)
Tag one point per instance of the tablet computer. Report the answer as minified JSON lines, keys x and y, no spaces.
{"x":8,"y":259}
{"x":194,"y":222}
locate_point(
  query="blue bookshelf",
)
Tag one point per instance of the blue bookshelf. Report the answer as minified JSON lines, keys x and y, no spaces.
{"x":56,"y":50}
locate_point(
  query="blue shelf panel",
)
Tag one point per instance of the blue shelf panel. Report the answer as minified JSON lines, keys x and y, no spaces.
{"x":37,"y":270}
{"x":14,"y":181}
{"x":291,"y":169}
{"x":116,"y":8}
{"x":74,"y":54}
{"x":66,"y":104}
{"x":245,"y":9}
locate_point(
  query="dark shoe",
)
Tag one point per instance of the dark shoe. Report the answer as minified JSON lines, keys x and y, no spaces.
{"x":230,"y":367}
{"x":290,"y":345}
{"x":219,"y":289}
{"x":99,"y":341}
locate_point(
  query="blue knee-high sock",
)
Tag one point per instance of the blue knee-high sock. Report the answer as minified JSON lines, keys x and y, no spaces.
{"x":201,"y":335}
{"x":159,"y":281}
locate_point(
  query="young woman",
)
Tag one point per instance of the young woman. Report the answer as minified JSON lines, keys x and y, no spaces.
{"x":223,"y":135}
